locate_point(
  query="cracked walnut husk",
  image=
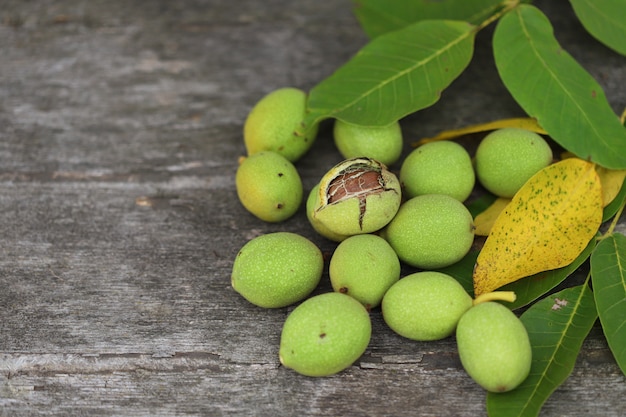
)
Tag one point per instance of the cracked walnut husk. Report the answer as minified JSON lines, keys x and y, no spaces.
{"x":358,"y":195}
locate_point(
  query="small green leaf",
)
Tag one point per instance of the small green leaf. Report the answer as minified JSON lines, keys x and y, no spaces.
{"x":394,"y":75}
{"x":552,"y":87}
{"x":531,"y":288}
{"x":378,"y":17}
{"x":608,"y":274}
{"x":557,"y":327}
{"x":605,"y":20}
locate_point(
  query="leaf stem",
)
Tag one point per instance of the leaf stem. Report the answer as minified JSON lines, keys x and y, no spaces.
{"x":508,"y":6}
{"x":615,"y":220}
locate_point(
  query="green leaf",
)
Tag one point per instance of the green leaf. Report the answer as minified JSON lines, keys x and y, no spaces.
{"x":552,"y":87}
{"x":608,"y":274}
{"x":394,"y":75}
{"x":605,"y":20}
{"x":557,"y":327}
{"x":378,"y":17}
{"x":531,"y":288}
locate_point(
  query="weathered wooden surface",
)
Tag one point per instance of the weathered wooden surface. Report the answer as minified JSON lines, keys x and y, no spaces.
{"x":120,"y":129}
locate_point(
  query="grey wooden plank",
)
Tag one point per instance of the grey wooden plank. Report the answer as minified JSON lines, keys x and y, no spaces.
{"x":205,"y":384}
{"x":120,"y":129}
{"x":116,"y":326}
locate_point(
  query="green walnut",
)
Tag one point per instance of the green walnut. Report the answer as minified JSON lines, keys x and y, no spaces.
{"x":277,"y":269}
{"x":441,"y":167}
{"x":425,"y":305}
{"x":494,"y":347}
{"x":507,"y":158}
{"x":275,"y":123}
{"x":311,"y":202}
{"x":325,"y":335}
{"x":357,"y":196}
{"x":269,"y":186}
{"x":382,"y":143}
{"x":431,"y":231}
{"x":364,"y":267}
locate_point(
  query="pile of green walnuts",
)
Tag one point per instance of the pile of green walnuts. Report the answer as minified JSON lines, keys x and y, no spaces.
{"x":379,"y":221}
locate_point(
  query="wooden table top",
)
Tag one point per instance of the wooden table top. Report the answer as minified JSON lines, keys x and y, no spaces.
{"x":120,"y":130}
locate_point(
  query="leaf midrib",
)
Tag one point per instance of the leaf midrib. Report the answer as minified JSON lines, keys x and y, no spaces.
{"x":558,"y":348}
{"x":555,"y":79}
{"x":400,"y":74}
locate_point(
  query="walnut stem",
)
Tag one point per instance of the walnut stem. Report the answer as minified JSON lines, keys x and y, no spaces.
{"x":495,"y":296}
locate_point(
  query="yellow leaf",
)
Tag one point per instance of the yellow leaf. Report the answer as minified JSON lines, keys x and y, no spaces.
{"x":527,"y":123}
{"x":485,"y":220}
{"x":545,"y":226}
{"x":611,"y":180}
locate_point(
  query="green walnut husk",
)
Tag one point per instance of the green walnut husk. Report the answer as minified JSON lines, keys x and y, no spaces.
{"x":277,"y":269}
{"x":311,"y":203}
{"x":324,"y":335}
{"x":494,"y":347}
{"x":356,"y":196}
{"x":274,"y":124}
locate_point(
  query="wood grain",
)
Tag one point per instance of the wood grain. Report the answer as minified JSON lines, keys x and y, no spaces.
{"x":120,"y":129}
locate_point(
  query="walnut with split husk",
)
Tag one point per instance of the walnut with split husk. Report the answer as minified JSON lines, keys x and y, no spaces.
{"x":356,"y":196}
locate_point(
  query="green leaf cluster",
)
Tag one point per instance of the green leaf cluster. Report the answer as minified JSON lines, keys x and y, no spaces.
{"x":417,"y":49}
